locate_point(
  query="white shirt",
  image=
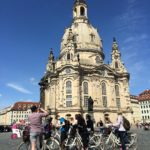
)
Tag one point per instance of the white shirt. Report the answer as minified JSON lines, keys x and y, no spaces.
{"x":119,"y":123}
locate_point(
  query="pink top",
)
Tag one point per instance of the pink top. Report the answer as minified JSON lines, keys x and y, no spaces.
{"x":35,"y":120}
{"x":14,"y":126}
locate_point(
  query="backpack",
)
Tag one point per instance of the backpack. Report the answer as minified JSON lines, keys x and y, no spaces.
{"x":126,"y":124}
{"x":26,"y":134}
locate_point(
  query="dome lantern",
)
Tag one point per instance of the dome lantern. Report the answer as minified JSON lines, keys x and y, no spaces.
{"x":80,"y":10}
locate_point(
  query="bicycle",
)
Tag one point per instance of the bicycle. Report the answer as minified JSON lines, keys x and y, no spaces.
{"x":75,"y":142}
{"x":26,"y":144}
{"x":114,"y":142}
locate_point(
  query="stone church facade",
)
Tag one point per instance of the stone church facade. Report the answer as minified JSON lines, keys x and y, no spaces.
{"x":80,"y":73}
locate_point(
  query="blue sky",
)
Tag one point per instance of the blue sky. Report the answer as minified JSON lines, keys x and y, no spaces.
{"x":29,"y":28}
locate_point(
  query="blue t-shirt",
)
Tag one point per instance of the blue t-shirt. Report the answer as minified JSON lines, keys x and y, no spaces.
{"x":62,"y":121}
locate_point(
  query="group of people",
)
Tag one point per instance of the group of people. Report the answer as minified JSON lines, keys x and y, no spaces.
{"x":84,"y":127}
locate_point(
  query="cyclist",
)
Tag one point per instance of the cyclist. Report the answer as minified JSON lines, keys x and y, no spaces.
{"x":35,"y":120}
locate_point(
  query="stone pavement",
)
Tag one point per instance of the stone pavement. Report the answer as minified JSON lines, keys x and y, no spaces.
{"x":6,"y":143}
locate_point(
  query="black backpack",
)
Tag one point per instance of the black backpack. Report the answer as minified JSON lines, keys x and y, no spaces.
{"x":26,"y":134}
{"x":126,"y":124}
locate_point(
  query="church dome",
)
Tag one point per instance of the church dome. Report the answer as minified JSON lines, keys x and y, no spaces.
{"x":84,"y":35}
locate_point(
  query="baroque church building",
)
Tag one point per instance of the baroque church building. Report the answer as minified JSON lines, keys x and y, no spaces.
{"x":80,"y":77}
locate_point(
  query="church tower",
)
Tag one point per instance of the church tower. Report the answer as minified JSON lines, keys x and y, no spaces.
{"x":117,"y":63}
{"x":79,"y":81}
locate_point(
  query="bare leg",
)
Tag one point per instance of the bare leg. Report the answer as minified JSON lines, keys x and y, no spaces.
{"x":33,"y":145}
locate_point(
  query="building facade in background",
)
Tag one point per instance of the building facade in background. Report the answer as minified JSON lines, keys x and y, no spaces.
{"x":80,"y":78}
{"x":17,"y":113}
{"x":144,"y":101}
{"x":136,"y":111}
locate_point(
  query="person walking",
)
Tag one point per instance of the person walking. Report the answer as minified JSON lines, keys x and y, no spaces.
{"x":35,"y":119}
{"x":122,"y":133}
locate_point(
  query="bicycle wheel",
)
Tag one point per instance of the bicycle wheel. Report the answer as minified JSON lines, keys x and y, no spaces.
{"x":53,"y":144}
{"x":24,"y":146}
{"x":133,"y":143}
{"x":110,"y":145}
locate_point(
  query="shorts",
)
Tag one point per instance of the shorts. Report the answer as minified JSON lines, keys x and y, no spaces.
{"x":36,"y":137}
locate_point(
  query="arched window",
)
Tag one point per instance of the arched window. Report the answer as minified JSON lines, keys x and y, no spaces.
{"x":82,"y":11}
{"x":92,"y":37}
{"x":117,"y":92}
{"x":75,"y":12}
{"x":104,"y":94}
{"x":75,"y":38}
{"x":68,"y":56}
{"x":85,"y":90}
{"x":68,"y":94}
{"x":85,"y":85}
{"x":116,"y":65}
{"x":98,"y":59}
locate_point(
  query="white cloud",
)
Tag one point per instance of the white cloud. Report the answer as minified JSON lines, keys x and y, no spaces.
{"x":33,"y":81}
{"x":137,"y":39}
{"x":18,"y":88}
{"x":132,"y":18}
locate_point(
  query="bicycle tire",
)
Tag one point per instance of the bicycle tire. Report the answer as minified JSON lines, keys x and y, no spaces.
{"x":54,"y":145}
{"x":24,"y":146}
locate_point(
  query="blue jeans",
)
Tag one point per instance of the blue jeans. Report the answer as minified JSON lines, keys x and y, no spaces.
{"x":101,"y":130}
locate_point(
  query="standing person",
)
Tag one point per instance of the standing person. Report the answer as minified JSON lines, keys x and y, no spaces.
{"x":57,"y":122}
{"x":36,"y":129}
{"x":89,"y":123}
{"x":82,"y":128}
{"x":121,"y":130}
{"x":100,"y":124}
{"x":64,"y":127}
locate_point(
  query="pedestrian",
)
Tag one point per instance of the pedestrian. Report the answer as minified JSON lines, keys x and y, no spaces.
{"x":82,"y":128}
{"x":122,"y":133}
{"x":36,"y":129}
{"x":89,"y":123}
{"x":100,"y":124}
{"x":64,"y":127}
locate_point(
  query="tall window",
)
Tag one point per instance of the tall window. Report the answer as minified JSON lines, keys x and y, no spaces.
{"x":82,"y":11}
{"x":104,"y":94}
{"x":85,"y":90}
{"x":117,"y":96}
{"x":92,"y":37}
{"x":75,"y":38}
{"x":98,"y":59}
{"x":116,"y":65}
{"x":68,"y":56}
{"x":68,"y":94}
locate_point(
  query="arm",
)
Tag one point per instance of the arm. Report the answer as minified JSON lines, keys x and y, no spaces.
{"x":117,"y":124}
{"x":44,"y":112}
